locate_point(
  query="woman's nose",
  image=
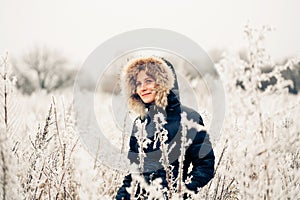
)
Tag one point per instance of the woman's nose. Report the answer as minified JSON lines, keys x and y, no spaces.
{"x":143,"y":86}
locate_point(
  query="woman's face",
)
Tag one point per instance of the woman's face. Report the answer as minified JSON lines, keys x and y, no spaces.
{"x":145,"y":87}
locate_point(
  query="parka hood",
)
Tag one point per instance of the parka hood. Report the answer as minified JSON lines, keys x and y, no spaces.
{"x":164,"y":74}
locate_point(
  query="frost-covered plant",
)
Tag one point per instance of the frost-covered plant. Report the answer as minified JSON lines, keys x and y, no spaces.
{"x":161,"y":135}
{"x":50,"y":169}
{"x":9,"y":187}
{"x":259,"y":148}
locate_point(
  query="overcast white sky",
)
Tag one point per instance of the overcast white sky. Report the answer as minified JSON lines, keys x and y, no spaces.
{"x":76,"y":28}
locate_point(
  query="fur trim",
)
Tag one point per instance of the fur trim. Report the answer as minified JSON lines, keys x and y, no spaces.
{"x":160,"y":71}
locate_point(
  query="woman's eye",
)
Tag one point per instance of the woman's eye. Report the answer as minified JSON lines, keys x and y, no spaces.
{"x":149,"y":81}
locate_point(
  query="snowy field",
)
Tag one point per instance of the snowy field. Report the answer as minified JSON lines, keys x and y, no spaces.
{"x":43,"y":156}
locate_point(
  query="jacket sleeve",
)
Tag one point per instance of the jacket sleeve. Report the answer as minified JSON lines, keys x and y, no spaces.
{"x":202,"y":157}
{"x":122,"y":192}
{"x":132,"y":156}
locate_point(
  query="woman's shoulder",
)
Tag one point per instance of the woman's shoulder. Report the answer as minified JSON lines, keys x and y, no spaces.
{"x":192,"y":114}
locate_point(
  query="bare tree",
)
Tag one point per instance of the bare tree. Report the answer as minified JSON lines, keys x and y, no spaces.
{"x":42,"y":68}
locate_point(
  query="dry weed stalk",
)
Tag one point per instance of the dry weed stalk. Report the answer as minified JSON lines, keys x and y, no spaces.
{"x":162,"y":134}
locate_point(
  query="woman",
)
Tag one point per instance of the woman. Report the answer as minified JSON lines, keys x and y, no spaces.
{"x":151,"y":88}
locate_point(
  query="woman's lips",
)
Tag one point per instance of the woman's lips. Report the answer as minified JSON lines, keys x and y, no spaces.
{"x":146,"y":94}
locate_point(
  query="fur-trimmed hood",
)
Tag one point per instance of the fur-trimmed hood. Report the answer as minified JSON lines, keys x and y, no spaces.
{"x":163,"y":73}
